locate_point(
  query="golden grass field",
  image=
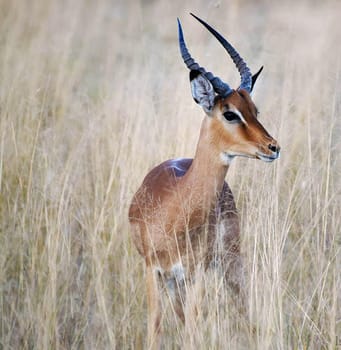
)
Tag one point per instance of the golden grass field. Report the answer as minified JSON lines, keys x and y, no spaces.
{"x":93,"y":94}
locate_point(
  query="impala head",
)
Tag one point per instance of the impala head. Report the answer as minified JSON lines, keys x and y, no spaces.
{"x":232,"y":113}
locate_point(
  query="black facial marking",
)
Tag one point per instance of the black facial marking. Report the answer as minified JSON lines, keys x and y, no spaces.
{"x":231,"y":117}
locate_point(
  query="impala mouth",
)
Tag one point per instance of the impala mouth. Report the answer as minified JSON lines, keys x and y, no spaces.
{"x":266,"y":158}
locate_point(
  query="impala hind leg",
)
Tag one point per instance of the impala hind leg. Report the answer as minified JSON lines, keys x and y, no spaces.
{"x":185,"y":293}
{"x":154,"y":309}
{"x":175,"y":282}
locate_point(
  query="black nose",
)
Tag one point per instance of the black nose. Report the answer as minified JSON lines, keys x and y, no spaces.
{"x":273,"y":148}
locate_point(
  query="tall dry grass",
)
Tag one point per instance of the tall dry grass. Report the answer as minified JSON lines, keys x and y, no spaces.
{"x":92,"y":95}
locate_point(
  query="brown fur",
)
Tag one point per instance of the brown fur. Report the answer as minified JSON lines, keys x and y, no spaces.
{"x":184,"y":211}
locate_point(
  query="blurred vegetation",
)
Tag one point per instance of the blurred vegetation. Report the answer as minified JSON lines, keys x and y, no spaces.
{"x":92,"y":95}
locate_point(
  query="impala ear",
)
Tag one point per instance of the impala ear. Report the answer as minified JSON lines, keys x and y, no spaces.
{"x":255,"y":76}
{"x":202,"y":90}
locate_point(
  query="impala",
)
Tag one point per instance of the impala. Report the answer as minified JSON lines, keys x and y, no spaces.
{"x":184,"y":215}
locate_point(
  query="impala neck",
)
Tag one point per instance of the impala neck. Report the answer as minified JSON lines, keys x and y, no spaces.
{"x":205,"y":178}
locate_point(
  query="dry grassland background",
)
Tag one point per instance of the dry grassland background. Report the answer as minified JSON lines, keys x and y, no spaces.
{"x":93,"y":94}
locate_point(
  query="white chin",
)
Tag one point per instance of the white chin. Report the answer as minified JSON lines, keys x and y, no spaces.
{"x":266,"y":158}
{"x":227,"y":158}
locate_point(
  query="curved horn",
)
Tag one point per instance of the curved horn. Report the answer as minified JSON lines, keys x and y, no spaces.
{"x":244,"y":71}
{"x":219,"y":86}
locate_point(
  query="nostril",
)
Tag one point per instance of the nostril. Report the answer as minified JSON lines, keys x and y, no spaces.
{"x":272,"y":148}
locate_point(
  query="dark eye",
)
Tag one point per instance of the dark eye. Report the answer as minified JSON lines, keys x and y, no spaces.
{"x":231,"y":117}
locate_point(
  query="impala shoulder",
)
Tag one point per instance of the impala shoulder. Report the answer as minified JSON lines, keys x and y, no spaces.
{"x":179,"y":165}
{"x":158,"y":184}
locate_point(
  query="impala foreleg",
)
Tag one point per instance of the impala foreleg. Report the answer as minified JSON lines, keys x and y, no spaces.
{"x":234,"y":277}
{"x":231,"y":261}
{"x":154,"y":310}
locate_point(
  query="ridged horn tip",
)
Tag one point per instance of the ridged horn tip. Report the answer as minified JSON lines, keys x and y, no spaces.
{"x":244,"y":71}
{"x":219,"y":86}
